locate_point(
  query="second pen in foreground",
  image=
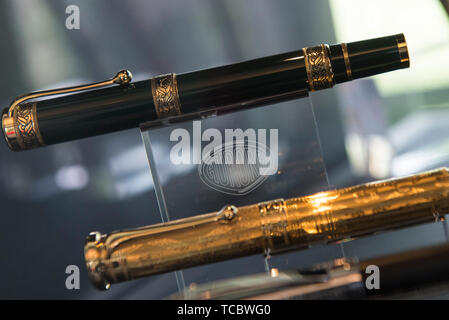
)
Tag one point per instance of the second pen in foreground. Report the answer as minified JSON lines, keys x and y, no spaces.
{"x":268,"y":227}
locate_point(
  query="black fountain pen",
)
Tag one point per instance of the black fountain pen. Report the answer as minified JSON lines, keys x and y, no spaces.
{"x":119,"y":104}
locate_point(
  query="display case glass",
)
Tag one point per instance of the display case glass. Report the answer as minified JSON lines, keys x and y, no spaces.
{"x":237,"y":159}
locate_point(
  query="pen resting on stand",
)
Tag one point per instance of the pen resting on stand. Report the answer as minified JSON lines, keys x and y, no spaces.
{"x":38,"y":119}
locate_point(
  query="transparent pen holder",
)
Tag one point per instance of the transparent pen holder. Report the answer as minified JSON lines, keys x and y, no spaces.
{"x":238,"y":159}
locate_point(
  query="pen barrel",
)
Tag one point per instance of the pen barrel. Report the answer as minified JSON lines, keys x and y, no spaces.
{"x":268,"y":227}
{"x":243,"y":85}
{"x":172,"y":98}
{"x":366,"y":58}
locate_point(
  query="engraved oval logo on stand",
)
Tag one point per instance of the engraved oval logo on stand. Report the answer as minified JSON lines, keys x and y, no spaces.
{"x":238,"y":172}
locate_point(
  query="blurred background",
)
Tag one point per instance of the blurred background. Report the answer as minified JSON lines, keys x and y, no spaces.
{"x":385,"y":126}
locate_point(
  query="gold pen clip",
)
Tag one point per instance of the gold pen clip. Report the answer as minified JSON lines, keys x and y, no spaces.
{"x":20,"y":128}
{"x":123,"y":77}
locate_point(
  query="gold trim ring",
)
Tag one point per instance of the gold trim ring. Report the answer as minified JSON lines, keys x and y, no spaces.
{"x":318,"y":67}
{"x":403,"y":50}
{"x":344,"y":49}
{"x":165,"y":95}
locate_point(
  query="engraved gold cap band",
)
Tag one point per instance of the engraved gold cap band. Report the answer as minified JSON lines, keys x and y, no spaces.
{"x":318,"y":67}
{"x":344,"y":49}
{"x":21,"y":130}
{"x":165,"y":95}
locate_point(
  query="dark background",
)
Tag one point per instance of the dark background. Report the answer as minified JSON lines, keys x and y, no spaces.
{"x":52,"y":198}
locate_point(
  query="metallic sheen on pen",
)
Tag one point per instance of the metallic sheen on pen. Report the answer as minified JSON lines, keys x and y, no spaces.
{"x":267,"y":228}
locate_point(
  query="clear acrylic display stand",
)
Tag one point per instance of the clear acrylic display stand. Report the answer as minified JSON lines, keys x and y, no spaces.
{"x":195,"y":187}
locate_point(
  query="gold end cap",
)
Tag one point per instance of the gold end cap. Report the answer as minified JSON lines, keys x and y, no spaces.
{"x":403,"y":50}
{"x":94,"y":253}
{"x":9,"y":131}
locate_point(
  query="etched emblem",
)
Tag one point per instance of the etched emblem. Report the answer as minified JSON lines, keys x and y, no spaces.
{"x":238,"y":170}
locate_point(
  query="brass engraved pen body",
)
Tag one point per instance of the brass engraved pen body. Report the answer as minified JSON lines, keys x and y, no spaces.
{"x":267,"y":227}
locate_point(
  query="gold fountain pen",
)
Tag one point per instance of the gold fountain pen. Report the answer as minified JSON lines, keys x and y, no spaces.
{"x":268,"y":227}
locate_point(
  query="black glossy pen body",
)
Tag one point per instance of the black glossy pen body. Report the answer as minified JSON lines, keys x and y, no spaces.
{"x":96,"y":112}
{"x":243,"y":85}
{"x":171,"y":98}
{"x":201,"y":93}
{"x":369,"y":57}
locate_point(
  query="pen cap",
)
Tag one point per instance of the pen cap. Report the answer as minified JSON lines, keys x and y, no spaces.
{"x":360,"y":59}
